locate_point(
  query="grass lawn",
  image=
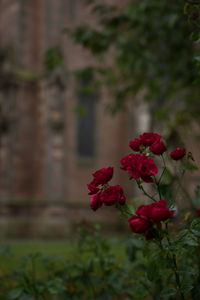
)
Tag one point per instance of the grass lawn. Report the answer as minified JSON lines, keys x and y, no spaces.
{"x":11,"y":252}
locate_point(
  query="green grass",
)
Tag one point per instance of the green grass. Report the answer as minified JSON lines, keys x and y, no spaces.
{"x":11,"y":252}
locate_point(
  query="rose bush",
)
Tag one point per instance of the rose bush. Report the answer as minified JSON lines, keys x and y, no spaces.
{"x":150,"y":221}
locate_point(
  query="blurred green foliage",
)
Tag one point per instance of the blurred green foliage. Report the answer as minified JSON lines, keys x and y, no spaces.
{"x":93,"y":271}
{"x":149,"y":46}
{"x":53,"y":58}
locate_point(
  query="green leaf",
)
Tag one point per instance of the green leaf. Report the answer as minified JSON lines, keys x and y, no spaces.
{"x":167,"y":177}
{"x":195,"y":227}
{"x":15,"y":293}
{"x":190,"y":166}
{"x":189,"y":240}
{"x":167,"y":293}
{"x":166,"y":192}
{"x":54,"y":285}
{"x":196,"y":197}
{"x":53,"y":58}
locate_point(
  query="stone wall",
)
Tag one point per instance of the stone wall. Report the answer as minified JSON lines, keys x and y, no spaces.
{"x":42,"y":174}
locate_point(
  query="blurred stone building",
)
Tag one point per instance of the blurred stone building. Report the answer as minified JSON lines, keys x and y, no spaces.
{"x":47,"y":151}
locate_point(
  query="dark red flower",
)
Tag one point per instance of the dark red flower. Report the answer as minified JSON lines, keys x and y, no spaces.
{"x":92,"y":187}
{"x":95,"y":201}
{"x":198,"y":211}
{"x":144,"y":210}
{"x":158,"y":148}
{"x":160,"y":212}
{"x":103,"y":175}
{"x":132,"y":164}
{"x":178,"y":153}
{"x":135,"y":144}
{"x":148,"y":138}
{"x":139,"y":224}
{"x":113,"y":194}
{"x":138,"y":165}
{"x":148,"y":168}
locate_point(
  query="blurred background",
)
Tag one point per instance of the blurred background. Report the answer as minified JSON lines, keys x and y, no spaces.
{"x":78,"y":80}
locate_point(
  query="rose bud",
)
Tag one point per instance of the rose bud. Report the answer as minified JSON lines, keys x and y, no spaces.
{"x":95,"y":201}
{"x":139,"y":224}
{"x":158,"y":148}
{"x":178,"y":153}
{"x":113,"y":194}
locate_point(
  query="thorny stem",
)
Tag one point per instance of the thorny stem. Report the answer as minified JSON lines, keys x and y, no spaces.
{"x":159,"y":180}
{"x":146,"y":194}
{"x":157,"y":184}
{"x":175,"y":268}
{"x":163,"y":169}
{"x":163,"y":161}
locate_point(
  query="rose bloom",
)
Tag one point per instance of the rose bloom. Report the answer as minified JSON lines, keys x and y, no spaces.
{"x":158,"y":148}
{"x":147,"y":169}
{"x":178,"y":153}
{"x":92,"y":187}
{"x":95,"y":201}
{"x":135,"y":144}
{"x":132,"y":163}
{"x":103,"y":175}
{"x":144,"y":210}
{"x":113,"y":194}
{"x":138,"y":165}
{"x":148,"y":138}
{"x":156,"y":211}
{"x":139,"y":224}
{"x":160,"y":212}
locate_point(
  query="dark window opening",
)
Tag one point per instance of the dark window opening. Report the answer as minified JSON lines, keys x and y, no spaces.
{"x":86,"y":123}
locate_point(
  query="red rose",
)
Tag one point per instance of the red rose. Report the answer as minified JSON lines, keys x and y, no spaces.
{"x":178,"y":153}
{"x":159,"y":211}
{"x":148,"y":168}
{"x":148,"y":138}
{"x":144,"y":210}
{"x":95,"y":201}
{"x":158,"y":148}
{"x":132,"y":163}
{"x":138,"y":165}
{"x":135,"y":144}
{"x":103,"y":175}
{"x":139,"y":224}
{"x":198,"y":211}
{"x":92,"y":187}
{"x":113,"y":194}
